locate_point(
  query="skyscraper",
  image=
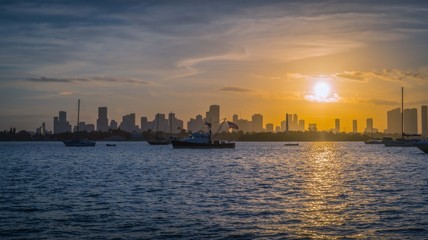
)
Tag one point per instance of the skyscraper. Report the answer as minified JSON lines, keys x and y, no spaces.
{"x":369,"y":125}
{"x":393,"y":121}
{"x":269,"y":127}
{"x":354,"y":126}
{"x":257,"y":120}
{"x":61,"y":124}
{"x":102,"y":121}
{"x":337,"y":125}
{"x":411,"y":121}
{"x":424,"y":121}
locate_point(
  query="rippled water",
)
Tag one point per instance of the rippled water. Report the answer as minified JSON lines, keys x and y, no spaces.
{"x":259,"y":190}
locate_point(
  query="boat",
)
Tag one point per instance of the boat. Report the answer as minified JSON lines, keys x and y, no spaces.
{"x":291,"y":144}
{"x":374,"y":141}
{"x":202,"y":140}
{"x":157,"y":140}
{"x":78,"y":142}
{"x":402,"y":141}
{"x":422,"y":145}
{"x":110,"y":145}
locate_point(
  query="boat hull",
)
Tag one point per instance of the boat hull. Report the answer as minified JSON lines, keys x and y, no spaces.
{"x":159,"y":142}
{"x":183,"y":144}
{"x":423,"y":146}
{"x":78,"y":143}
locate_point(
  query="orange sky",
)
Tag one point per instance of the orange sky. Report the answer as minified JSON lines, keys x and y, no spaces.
{"x":259,"y":58}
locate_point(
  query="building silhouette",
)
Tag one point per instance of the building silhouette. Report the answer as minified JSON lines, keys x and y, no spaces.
{"x":312,"y":127}
{"x":411,"y":121}
{"x":102,"y":121}
{"x":213,"y":117}
{"x":269,"y":127}
{"x":175,"y":125}
{"x":301,"y":125}
{"x":393,"y":121}
{"x":337,"y":125}
{"x":60,"y":123}
{"x":113,"y":125}
{"x":354,"y":126}
{"x":424,"y":121}
{"x":196,"y":124}
{"x":257,"y":123}
{"x":369,"y":126}
{"x":128,"y":123}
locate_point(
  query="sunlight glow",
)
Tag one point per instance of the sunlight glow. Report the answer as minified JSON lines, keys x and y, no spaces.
{"x":322,"y":93}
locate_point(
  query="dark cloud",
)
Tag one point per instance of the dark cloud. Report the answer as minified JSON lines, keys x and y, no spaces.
{"x":235,"y":89}
{"x":89,"y":79}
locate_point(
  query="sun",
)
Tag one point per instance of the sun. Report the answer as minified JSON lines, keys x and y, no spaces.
{"x":322,"y":90}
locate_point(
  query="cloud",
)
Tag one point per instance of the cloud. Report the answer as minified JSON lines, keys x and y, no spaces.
{"x":88,"y":79}
{"x":329,"y":99}
{"x":389,"y":75}
{"x":235,"y":89}
{"x":383,"y":102}
{"x":65,"y":93}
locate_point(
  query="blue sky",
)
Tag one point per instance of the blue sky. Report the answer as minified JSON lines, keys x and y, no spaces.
{"x":181,"y":56}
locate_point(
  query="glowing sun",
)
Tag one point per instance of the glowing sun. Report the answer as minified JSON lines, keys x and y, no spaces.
{"x":322,"y":93}
{"x":322,"y":90}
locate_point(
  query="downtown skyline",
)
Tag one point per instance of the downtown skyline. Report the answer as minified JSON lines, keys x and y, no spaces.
{"x":323,"y":60}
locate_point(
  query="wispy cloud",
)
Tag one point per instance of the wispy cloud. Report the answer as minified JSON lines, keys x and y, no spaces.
{"x":236,"y":89}
{"x":88,"y":79}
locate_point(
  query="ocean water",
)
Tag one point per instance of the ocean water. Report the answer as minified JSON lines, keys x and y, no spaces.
{"x":320,"y":190}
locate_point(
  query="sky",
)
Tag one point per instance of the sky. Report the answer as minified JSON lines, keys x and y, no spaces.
{"x":319,"y":59}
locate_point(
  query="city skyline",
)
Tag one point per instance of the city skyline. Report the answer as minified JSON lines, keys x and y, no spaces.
{"x":322,"y":60}
{"x":414,"y":123}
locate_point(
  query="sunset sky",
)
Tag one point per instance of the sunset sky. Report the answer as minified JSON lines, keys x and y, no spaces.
{"x":248,"y":57}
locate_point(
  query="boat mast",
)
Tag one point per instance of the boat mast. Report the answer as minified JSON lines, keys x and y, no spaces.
{"x":170,"y":125}
{"x":402,"y":112}
{"x":78,"y":115}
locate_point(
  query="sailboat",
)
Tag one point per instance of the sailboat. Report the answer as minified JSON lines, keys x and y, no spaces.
{"x":402,"y":142}
{"x":158,"y":140}
{"x":78,"y":142}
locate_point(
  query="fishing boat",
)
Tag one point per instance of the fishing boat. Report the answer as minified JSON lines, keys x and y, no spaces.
{"x":202,"y":140}
{"x":158,"y":140}
{"x":78,"y":142}
{"x":422,"y":145}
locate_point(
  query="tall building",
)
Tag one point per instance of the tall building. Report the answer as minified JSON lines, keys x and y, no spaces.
{"x":102,"y":121}
{"x":144,"y":124}
{"x":257,"y":122}
{"x":213,"y":117}
{"x":174,"y":124}
{"x":196,"y":124}
{"x":411,"y":121}
{"x":354,"y":126}
{"x":113,"y":125}
{"x":424,"y":121}
{"x":128,"y":123}
{"x":337,"y":125}
{"x":269,"y":127}
{"x":393,"y":122}
{"x":369,"y":125}
{"x":301,"y":125}
{"x":61,"y":124}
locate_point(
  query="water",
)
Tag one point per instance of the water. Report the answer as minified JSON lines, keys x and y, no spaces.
{"x":257,"y":191}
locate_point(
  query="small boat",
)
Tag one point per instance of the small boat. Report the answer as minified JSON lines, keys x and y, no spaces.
{"x":110,"y":145}
{"x":374,"y":141}
{"x":78,"y":142}
{"x":291,"y":144}
{"x":422,"y":145}
{"x":202,"y":140}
